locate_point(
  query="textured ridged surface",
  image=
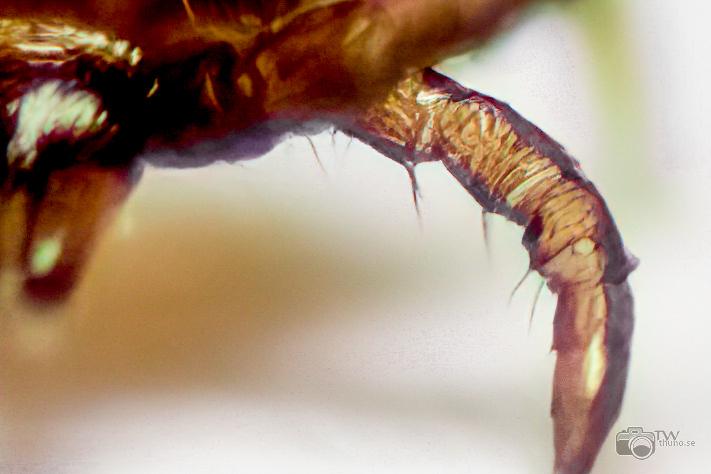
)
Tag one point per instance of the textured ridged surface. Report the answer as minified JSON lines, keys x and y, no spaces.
{"x":514,"y":169}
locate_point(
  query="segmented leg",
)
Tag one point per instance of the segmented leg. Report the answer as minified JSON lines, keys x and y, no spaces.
{"x":514,"y":169}
{"x":68,"y":150}
{"x":74,"y":105}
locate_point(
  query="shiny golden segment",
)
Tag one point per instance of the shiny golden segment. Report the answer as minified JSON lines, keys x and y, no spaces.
{"x":53,"y":40}
{"x":512,"y":173}
{"x":514,"y":176}
{"x":514,"y":169}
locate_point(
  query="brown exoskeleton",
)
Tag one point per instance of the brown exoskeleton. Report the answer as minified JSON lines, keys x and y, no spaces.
{"x":86,"y":86}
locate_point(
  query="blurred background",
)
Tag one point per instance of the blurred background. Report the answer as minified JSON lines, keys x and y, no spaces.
{"x":273,"y":317}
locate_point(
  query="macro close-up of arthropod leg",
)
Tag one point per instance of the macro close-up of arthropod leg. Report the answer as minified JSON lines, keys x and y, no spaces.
{"x":82,"y":103}
{"x":514,"y":169}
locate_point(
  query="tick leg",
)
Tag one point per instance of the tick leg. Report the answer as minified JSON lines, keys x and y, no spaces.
{"x":49,"y":225}
{"x":68,"y":148}
{"x":514,"y":169}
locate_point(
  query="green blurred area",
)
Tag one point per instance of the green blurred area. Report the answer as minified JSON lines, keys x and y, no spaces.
{"x":617,"y":80}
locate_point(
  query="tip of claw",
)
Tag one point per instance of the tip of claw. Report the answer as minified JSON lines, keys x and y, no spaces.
{"x":51,"y":289}
{"x":583,"y":414}
{"x":47,"y":236}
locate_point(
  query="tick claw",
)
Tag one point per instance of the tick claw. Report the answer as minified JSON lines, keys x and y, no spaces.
{"x":49,"y":226}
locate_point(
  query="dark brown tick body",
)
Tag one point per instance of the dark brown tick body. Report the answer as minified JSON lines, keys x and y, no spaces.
{"x":86,"y":86}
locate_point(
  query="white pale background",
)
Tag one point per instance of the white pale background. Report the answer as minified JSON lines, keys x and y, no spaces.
{"x":270,"y":317}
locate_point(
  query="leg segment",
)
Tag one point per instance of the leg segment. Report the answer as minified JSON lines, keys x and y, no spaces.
{"x":514,"y":169}
{"x":68,"y":150}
